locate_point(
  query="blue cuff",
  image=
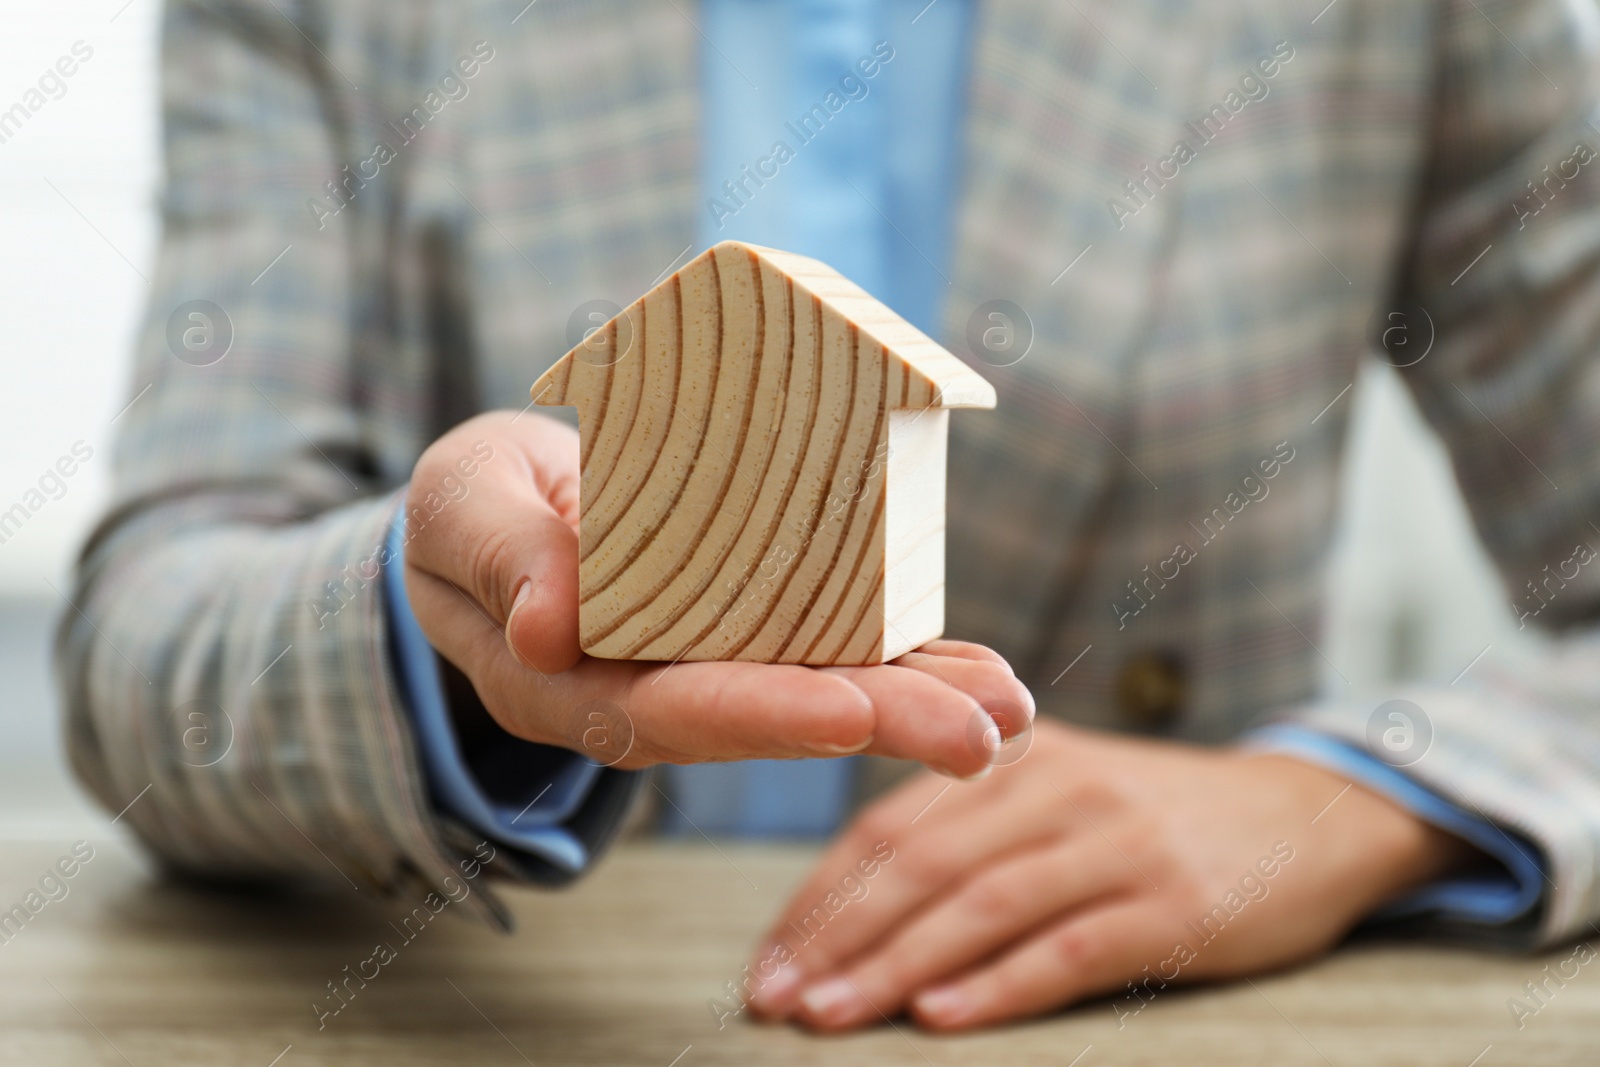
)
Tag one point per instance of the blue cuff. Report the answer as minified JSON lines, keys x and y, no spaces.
{"x":543,"y":786}
{"x":1491,"y":899}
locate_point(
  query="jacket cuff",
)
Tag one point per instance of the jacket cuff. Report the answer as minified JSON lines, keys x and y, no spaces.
{"x":1513,"y":744}
{"x":551,"y":809}
{"x":1496,"y":898}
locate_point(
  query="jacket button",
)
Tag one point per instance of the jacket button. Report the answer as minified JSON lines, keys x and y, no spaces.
{"x":1151,"y":690}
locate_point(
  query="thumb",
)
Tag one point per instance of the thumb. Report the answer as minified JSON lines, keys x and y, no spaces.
{"x":542,"y":624}
{"x":504,"y":546}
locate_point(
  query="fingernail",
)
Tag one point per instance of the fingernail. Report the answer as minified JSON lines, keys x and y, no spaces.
{"x":833,"y":1002}
{"x":837,"y":750}
{"x":946,"y":1006}
{"x":524,"y":591}
{"x":775,"y":995}
{"x":976,"y":776}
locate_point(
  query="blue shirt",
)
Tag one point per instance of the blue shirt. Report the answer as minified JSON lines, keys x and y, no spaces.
{"x":846,"y":150}
{"x":832,"y":128}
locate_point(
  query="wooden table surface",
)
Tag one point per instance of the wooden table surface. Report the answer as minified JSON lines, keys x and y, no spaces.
{"x":127,"y":969}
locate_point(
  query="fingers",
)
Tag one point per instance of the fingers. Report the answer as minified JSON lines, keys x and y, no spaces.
{"x":933,"y":720}
{"x":1007,"y":705}
{"x":960,"y":650}
{"x":1083,"y":955}
{"x":920,"y":862}
{"x":981,"y":674}
{"x":985,"y":914}
{"x":698,"y":711}
{"x":889,"y":817}
{"x":703,"y":711}
{"x":919,"y":717}
{"x":718,"y":711}
{"x":634,"y":715}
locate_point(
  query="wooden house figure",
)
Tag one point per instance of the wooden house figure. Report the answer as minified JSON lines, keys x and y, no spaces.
{"x":763,"y":467}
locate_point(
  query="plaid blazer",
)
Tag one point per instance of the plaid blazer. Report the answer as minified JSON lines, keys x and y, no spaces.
{"x":1204,"y":213}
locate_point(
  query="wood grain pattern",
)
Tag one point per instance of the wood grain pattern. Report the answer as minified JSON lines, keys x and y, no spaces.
{"x":620,"y":969}
{"x":762,"y":446}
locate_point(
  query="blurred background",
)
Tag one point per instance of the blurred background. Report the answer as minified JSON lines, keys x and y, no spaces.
{"x":1411,"y":593}
{"x":77,"y":185}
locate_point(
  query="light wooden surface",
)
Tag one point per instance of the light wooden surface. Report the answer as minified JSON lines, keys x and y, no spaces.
{"x":763,"y":454}
{"x":128,"y":969}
